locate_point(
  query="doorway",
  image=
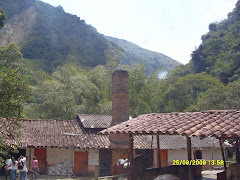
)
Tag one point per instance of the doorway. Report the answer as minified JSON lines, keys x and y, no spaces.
{"x":80,"y":163}
{"x":41,"y":156}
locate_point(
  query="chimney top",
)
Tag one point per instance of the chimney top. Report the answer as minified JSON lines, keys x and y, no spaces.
{"x":120,"y":97}
{"x":120,"y":72}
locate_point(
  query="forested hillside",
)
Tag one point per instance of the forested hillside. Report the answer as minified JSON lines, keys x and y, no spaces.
{"x":218,"y":56}
{"x":209,"y":81}
{"x":149,"y":59}
{"x":50,"y":37}
{"x":219,"y":53}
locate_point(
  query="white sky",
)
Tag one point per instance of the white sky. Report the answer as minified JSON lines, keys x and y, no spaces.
{"x":171,"y":27}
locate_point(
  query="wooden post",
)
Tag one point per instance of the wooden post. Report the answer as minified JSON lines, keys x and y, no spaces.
{"x":237,"y":152}
{"x":158,"y":153}
{"x":30,"y":158}
{"x":130,"y":153}
{"x":96,"y":172}
{"x":131,"y":147}
{"x":223,"y":157}
{"x":189,"y":152}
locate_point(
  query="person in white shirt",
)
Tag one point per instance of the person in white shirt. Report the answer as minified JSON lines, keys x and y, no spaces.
{"x":22,"y":167}
{"x":8,"y":167}
{"x":14,"y":169}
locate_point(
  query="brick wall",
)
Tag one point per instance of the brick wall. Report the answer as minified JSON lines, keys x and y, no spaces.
{"x":120,"y":97}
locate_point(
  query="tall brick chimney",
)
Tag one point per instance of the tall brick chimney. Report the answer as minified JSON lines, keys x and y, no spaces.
{"x":120,"y":97}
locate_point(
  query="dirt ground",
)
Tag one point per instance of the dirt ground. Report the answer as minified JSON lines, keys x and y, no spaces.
{"x":207,"y":175}
{"x":45,"y":177}
{"x":212,"y":174}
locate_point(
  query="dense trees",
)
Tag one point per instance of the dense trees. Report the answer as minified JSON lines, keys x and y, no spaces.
{"x":14,"y":92}
{"x":14,"y":89}
{"x":2,"y":18}
{"x":218,"y":54}
{"x":219,"y":97}
{"x":72,"y":90}
{"x":209,"y":81}
{"x":184,"y":92}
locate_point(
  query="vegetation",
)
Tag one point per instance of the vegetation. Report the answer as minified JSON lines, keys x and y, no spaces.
{"x":14,"y":92}
{"x":76,"y":77}
{"x":209,"y":81}
{"x":88,"y":92}
{"x":57,"y":38}
{"x":14,"y":89}
{"x":2,"y":18}
{"x":71,"y":67}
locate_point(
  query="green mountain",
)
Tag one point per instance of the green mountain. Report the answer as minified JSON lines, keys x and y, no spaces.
{"x":50,"y":37}
{"x":211,"y":79}
{"x":150,"y":59}
{"x":219,"y":52}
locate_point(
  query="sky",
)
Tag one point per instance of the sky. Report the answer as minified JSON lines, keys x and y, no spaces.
{"x":170,"y":27}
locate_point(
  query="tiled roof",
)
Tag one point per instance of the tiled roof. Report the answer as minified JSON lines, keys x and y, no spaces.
{"x":66,"y":134}
{"x":218,"y":124}
{"x":95,"y":120}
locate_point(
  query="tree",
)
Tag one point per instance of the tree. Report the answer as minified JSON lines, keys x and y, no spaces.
{"x":14,"y":92}
{"x":2,"y":18}
{"x":55,"y":101}
{"x":184,"y":92}
{"x":222,"y":97}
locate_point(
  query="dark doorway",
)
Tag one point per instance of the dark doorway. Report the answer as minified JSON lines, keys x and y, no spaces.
{"x":105,"y":162}
{"x":148,"y":154}
{"x":20,"y":152}
{"x":198,"y":154}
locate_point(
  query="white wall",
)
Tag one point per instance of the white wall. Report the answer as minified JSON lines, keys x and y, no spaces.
{"x":56,"y":156}
{"x":59,"y":155}
{"x":207,"y":154}
{"x":30,"y":154}
{"x":181,"y":154}
{"x":93,"y":157}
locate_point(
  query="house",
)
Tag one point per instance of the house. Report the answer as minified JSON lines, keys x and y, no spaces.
{"x":75,"y":141}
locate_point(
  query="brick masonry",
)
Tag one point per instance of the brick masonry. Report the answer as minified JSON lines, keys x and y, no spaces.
{"x":120,"y":101}
{"x":120,"y":97}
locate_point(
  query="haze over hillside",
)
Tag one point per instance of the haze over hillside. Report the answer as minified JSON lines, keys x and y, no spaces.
{"x":49,"y":37}
{"x":150,"y":59}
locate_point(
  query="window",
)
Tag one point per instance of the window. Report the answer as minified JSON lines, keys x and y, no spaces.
{"x":198,"y":154}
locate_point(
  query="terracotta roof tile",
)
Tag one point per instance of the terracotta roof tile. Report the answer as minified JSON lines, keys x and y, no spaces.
{"x":66,"y":134}
{"x":216,"y":123}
